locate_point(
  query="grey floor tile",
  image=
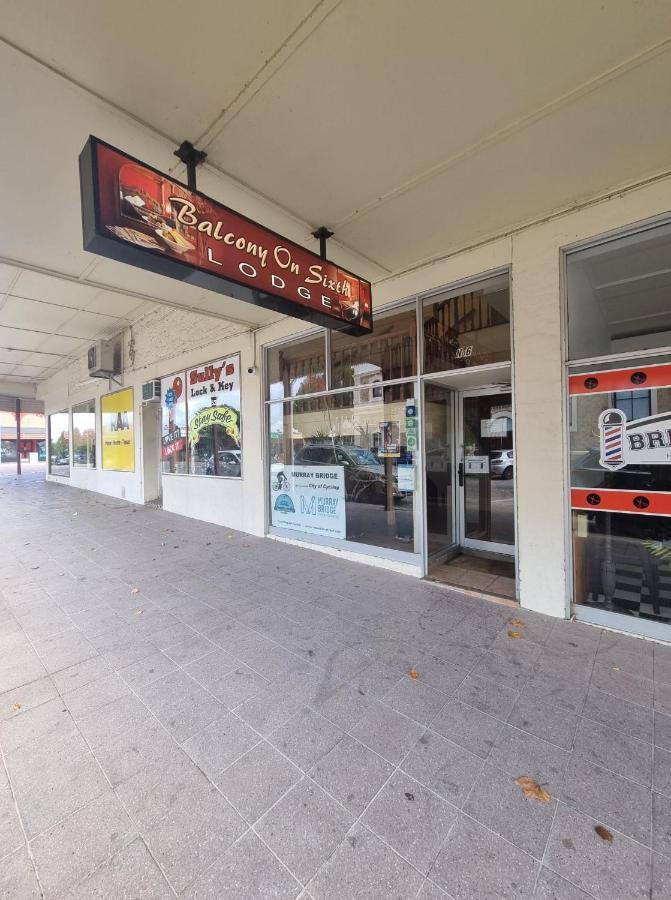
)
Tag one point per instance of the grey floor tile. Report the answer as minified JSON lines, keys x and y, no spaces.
{"x":17,"y":877}
{"x":187,"y":651}
{"x":131,"y":751}
{"x":304,"y":828}
{"x":614,"y":750}
{"x":257,"y":780}
{"x":364,"y":868}
{"x":305,"y":738}
{"x":662,"y":735}
{"x":77,"y":845}
{"x":11,"y":833}
{"x":439,"y":672}
{"x":247,"y":869}
{"x":622,"y":715}
{"x":81,"y":674}
{"x":661,"y":824}
{"x":230,"y":687}
{"x":431,"y":891}
{"x":562,"y":691}
{"x":268,"y":710}
{"x":96,"y":694}
{"x":217,"y":746}
{"x":505,"y":668}
{"x":147,"y":670}
{"x":619,"y":803}
{"x":551,"y":886}
{"x":494,"y":699}
{"x":662,"y":771}
{"x":468,"y":727}
{"x":22,"y":699}
{"x":182,"y":705}
{"x":411,"y":819}
{"x":518,"y":753}
{"x":64,"y":650}
{"x":534,"y":714}
{"x":662,"y":699}
{"x":499,"y":804}
{"x":613,"y":680}
{"x":603,"y":869}
{"x":613,"y":657}
{"x":130,"y":873}
{"x":416,"y":700}
{"x":352,"y":774}
{"x":193,"y":834}
{"x":343,"y":705}
{"x":375,"y":680}
{"x":475,"y":863}
{"x":48,"y":718}
{"x":661,"y":877}
{"x":102,"y":726}
{"x":387,"y":732}
{"x":443,"y":766}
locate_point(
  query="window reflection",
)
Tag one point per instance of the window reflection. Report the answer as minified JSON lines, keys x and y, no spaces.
{"x":84,"y":435}
{"x":388,"y":354}
{"x":297,"y":368}
{"x":59,"y":443}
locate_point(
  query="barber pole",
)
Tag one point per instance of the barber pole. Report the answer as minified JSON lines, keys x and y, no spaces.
{"x":611,"y":427}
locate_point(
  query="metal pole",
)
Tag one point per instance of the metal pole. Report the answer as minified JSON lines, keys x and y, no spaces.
{"x":191,"y":158}
{"x":322,"y":234}
{"x":18,"y":436}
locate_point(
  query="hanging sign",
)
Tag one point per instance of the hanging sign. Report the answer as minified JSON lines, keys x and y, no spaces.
{"x":641,"y":441}
{"x":310,"y":499}
{"x":137,"y":215}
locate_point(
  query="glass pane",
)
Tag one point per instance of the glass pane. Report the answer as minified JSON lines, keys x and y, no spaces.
{"x":488,"y":469}
{"x":347,"y":447}
{"x":214,"y":427}
{"x":297,"y":368}
{"x":387,"y":354}
{"x":438,"y":437}
{"x":618,"y":295}
{"x":173,"y":424}
{"x":84,"y":435}
{"x":470,"y":329}
{"x":59,"y":443}
{"x":622,"y":563}
{"x":587,"y":470}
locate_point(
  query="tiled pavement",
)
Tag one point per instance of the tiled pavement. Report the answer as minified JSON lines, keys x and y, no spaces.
{"x":188,"y":711}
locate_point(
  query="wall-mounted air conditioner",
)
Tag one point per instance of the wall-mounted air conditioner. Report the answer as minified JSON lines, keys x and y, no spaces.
{"x":151,"y":390}
{"x":104,"y":358}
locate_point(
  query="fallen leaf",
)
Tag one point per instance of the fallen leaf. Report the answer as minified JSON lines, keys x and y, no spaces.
{"x":518,"y":622}
{"x":138,"y":612}
{"x":604,"y":833}
{"x":16,"y":706}
{"x":135,"y":590}
{"x":414,"y":673}
{"x":409,"y":796}
{"x":616,"y":668}
{"x":514,"y":634}
{"x":531,"y":788}
{"x":74,"y":514}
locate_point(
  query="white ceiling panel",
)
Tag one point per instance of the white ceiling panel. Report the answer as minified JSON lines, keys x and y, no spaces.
{"x":16,"y":339}
{"x":50,"y":289}
{"x":120,"y":305}
{"x":58,"y":344}
{"x":13,"y":357}
{"x":7,"y":276}
{"x":40,"y":359}
{"x":91,"y":325}
{"x":28,"y":371}
{"x":20,"y":313}
{"x":173,"y":65}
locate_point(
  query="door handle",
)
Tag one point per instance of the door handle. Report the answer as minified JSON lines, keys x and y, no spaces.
{"x":460,"y":474}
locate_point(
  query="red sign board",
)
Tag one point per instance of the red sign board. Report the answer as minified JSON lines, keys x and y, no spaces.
{"x":137,"y":215}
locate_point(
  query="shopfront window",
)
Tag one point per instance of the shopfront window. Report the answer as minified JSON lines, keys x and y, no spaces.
{"x":471,"y":328}
{"x":389,"y":354}
{"x":297,"y":368}
{"x":618,"y":295}
{"x":620,"y":457}
{"x":173,"y":424}
{"x":214,"y":418}
{"x":344,"y":466}
{"x":84,"y":435}
{"x":59,"y":443}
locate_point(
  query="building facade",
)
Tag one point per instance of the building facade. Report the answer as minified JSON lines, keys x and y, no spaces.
{"x":512,"y":405}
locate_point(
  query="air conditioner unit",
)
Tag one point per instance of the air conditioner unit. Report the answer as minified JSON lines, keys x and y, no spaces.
{"x":104,"y":358}
{"x":151,"y":390}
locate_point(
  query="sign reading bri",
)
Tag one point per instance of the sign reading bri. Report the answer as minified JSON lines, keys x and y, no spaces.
{"x":137,"y":215}
{"x":641,"y":441}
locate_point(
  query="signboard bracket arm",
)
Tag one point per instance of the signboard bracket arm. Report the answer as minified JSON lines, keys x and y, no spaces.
{"x":322,"y":234}
{"x":191,"y":158}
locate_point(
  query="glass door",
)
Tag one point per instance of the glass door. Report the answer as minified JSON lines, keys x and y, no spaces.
{"x":439,"y":465}
{"x":485,"y":471}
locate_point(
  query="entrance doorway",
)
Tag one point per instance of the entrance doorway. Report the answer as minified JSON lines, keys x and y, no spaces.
{"x":470,"y":486}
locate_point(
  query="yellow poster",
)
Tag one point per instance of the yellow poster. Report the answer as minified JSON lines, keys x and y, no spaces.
{"x":118,"y":444}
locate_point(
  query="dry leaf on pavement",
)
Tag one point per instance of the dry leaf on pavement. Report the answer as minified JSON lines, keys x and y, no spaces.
{"x":15,"y":707}
{"x":135,"y":591}
{"x":514,"y":634}
{"x":531,"y":788}
{"x":604,"y":833}
{"x":414,"y":673}
{"x":518,"y":622}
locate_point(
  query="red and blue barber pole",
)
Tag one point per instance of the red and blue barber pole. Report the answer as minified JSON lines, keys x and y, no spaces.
{"x":611,"y":427}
